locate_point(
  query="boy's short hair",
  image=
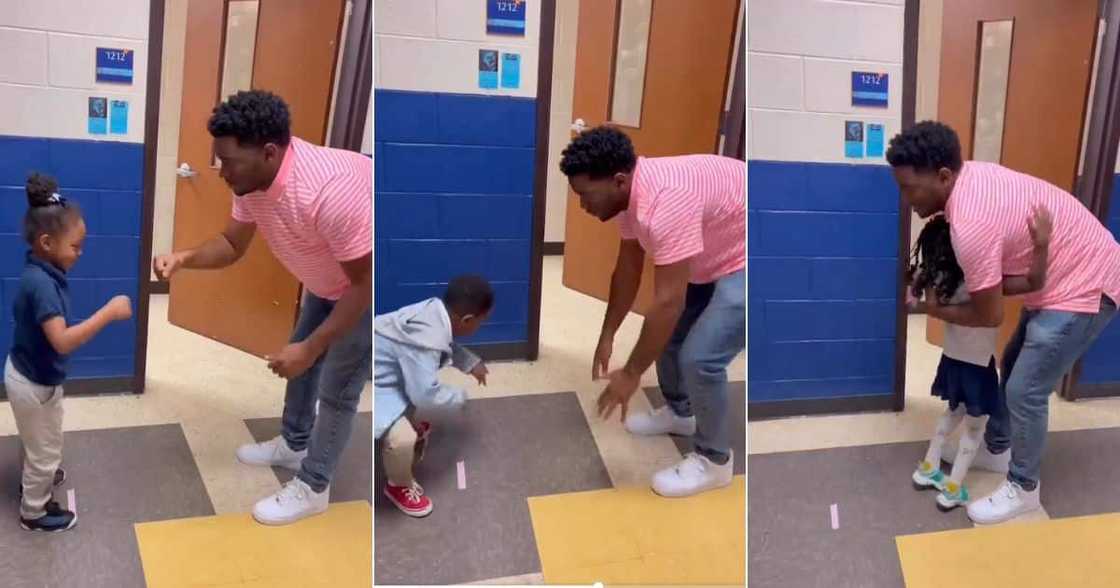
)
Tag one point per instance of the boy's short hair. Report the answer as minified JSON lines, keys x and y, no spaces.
{"x":469,"y":295}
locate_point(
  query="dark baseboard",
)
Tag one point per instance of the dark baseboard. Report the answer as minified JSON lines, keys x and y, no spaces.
{"x":502,"y":351}
{"x":553,"y":248}
{"x":775,"y":409}
{"x":92,"y":387}
{"x":1090,"y":391}
{"x":158,"y":287}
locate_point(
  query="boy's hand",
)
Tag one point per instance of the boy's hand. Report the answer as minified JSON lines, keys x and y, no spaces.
{"x":119,"y":308}
{"x":480,"y":372}
{"x":292,"y":361}
{"x":1040,"y":225}
{"x":166,"y":265}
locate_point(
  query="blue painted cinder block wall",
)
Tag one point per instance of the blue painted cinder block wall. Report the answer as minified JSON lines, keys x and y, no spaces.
{"x":1101,"y":364}
{"x":453,"y":195}
{"x":822,"y":280}
{"x":106,"y":179}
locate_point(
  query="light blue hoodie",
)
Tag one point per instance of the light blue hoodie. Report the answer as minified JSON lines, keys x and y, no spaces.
{"x":412,"y":345}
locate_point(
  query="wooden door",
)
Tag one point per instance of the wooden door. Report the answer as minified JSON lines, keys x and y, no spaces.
{"x":1048,"y":77}
{"x":252,"y":305}
{"x":688,"y":54}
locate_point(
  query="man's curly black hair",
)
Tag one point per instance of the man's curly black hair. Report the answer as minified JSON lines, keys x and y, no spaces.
{"x":927,"y":147}
{"x":933,"y":263}
{"x":254,"y":118}
{"x":599,"y":153}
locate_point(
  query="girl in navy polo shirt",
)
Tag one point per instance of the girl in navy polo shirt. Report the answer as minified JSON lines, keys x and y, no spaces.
{"x":44,"y":336}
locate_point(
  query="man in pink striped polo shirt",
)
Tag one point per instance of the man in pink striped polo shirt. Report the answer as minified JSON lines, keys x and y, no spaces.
{"x":988,"y":208}
{"x":314,"y":207}
{"x":688,"y":214}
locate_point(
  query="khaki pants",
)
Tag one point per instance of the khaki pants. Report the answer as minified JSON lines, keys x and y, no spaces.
{"x":398,"y":451}
{"x":38,"y":413}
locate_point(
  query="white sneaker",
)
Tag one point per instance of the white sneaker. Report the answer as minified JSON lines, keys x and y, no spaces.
{"x":1006,"y":503}
{"x":662,"y":421}
{"x":271,"y":453}
{"x":983,"y":460}
{"x":693,"y":475}
{"x":295,"y":501}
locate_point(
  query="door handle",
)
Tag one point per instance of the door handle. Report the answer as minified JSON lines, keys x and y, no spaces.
{"x":579,"y":126}
{"x":184,"y":171}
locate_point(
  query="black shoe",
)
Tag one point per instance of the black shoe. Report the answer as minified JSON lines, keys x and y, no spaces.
{"x":57,"y":519}
{"x":59,"y":479}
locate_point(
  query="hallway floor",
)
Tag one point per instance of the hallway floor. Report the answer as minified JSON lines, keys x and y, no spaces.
{"x":830,"y":495}
{"x":531,"y":446}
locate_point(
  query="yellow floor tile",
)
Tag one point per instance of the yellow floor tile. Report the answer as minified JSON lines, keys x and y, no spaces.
{"x":234,"y":551}
{"x":633,"y":536}
{"x":1061,"y":552}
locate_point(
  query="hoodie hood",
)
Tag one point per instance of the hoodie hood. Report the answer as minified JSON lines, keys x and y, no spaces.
{"x":424,"y":324}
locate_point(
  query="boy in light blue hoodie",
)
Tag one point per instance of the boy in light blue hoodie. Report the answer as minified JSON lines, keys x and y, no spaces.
{"x":412,"y":345}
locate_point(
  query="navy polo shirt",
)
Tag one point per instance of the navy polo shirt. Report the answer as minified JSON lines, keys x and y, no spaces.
{"x":43,"y":295}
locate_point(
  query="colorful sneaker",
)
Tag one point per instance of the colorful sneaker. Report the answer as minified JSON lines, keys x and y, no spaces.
{"x":423,"y":432}
{"x":56,"y":519}
{"x":927,"y":476}
{"x":410,"y":499}
{"x":59,"y":479}
{"x":952,"y":496}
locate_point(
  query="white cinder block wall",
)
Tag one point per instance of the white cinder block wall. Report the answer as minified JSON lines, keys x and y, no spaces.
{"x":432,"y":46}
{"x":800,"y":57}
{"x":48,"y":74}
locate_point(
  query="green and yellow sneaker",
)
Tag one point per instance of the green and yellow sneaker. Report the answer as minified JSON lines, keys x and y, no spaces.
{"x":927,"y":476}
{"x":952,"y":496}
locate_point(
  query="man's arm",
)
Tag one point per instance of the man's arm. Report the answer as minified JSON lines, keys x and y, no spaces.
{"x":221,"y":251}
{"x":625,"y":280}
{"x":350,"y":308}
{"x":984,"y":309}
{"x":670,"y":284}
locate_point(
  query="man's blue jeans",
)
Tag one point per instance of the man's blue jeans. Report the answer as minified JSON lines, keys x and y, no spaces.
{"x":692,"y":371}
{"x":336,"y":382}
{"x":1044,"y":347}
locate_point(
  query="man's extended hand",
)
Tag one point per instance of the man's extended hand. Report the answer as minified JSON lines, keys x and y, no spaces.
{"x":617,"y":394}
{"x":292,"y":361}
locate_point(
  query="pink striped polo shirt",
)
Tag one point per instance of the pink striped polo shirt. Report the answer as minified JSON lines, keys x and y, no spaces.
{"x":690,"y":207}
{"x":316,"y":213}
{"x":988,"y":212}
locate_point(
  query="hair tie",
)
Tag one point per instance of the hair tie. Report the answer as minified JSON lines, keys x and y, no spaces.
{"x":57,"y":198}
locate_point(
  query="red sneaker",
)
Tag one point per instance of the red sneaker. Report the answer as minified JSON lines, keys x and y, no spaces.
{"x":410,"y":499}
{"x":423,"y":431}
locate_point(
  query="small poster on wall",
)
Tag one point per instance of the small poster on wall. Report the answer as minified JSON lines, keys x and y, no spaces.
{"x":511,"y":70}
{"x":870,"y":89}
{"x":505,"y":17}
{"x":114,"y":66}
{"x":118,"y":117}
{"x":98,"y":116}
{"x":487,"y":69}
{"x":853,"y":139}
{"x":874,"y":140}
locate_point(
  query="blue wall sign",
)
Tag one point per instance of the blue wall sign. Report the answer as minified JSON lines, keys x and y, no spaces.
{"x":853,"y":139}
{"x":505,"y":17}
{"x":114,"y":66}
{"x":487,"y":69}
{"x":874,"y":140}
{"x":98,"y":119}
{"x":118,"y":117}
{"x":870,"y":89}
{"x":511,"y":70}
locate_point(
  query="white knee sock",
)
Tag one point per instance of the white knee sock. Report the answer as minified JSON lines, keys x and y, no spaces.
{"x":945,"y":426}
{"x":971,"y":438}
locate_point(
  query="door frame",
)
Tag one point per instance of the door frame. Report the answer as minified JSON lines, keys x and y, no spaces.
{"x":147,"y":212}
{"x":545,"y":41}
{"x":1094,"y":186}
{"x":351,"y":103}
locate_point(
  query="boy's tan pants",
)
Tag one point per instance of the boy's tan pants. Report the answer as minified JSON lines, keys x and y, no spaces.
{"x":398,"y":452}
